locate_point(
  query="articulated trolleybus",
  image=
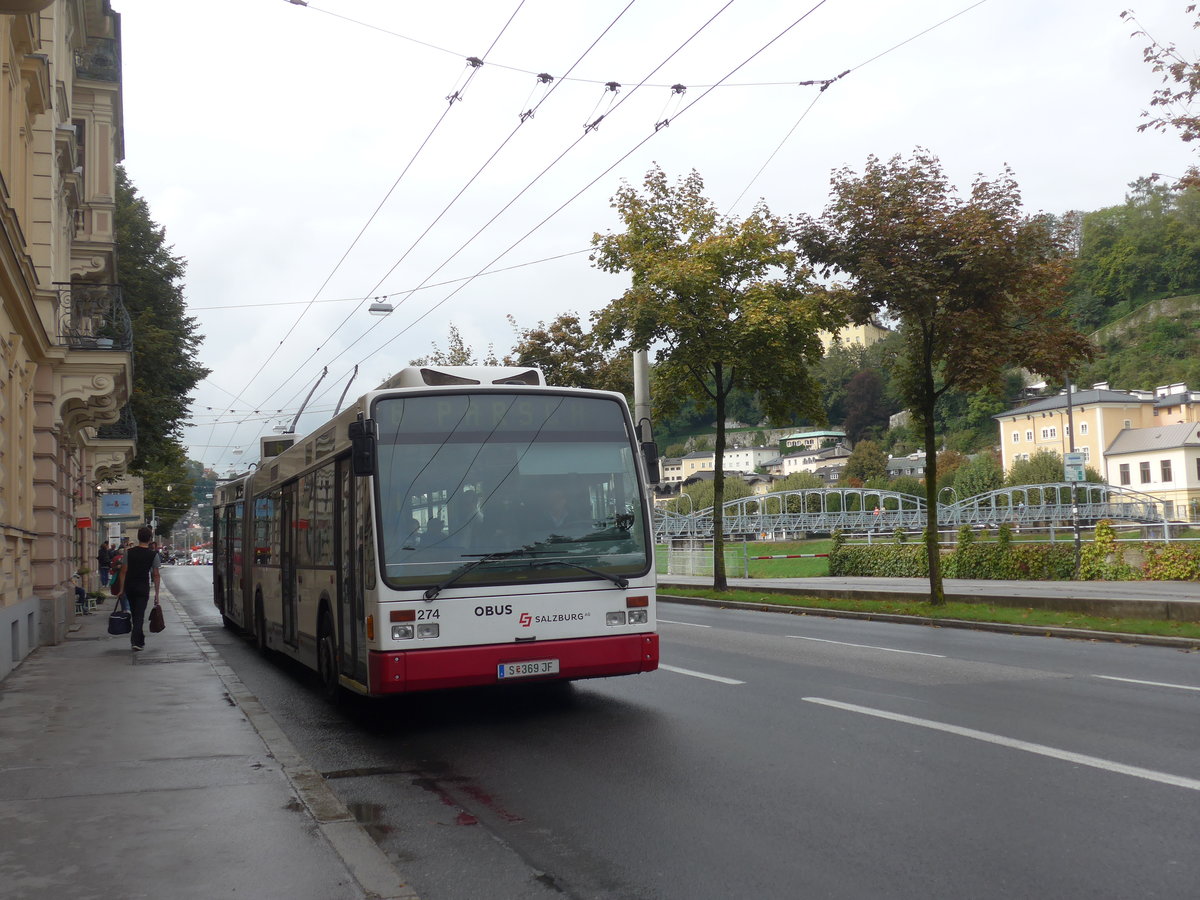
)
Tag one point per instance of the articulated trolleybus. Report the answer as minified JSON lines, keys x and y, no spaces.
{"x":457,"y":526}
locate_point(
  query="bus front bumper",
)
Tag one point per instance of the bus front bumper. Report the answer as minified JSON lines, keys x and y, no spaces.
{"x":398,"y":672}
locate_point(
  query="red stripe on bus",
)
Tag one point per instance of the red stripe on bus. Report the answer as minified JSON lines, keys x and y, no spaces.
{"x":401,"y":671}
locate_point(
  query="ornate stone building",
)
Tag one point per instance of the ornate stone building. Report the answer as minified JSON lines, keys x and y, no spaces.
{"x":65,"y":340}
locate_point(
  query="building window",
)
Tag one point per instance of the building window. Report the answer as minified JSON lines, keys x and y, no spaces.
{"x":1029,"y":435}
{"x":1016,"y":437}
{"x":1124,"y":473}
{"x":1128,"y":424}
{"x":1087,"y":453}
{"x":1144,"y":471}
{"x":1049,"y":433}
{"x":1165,"y":467}
{"x":1083,"y":427}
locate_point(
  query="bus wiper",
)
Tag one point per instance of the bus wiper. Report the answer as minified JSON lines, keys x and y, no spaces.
{"x":615,"y":579}
{"x":458,"y":573}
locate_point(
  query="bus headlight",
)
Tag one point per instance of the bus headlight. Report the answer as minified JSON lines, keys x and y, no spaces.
{"x":402,"y":632}
{"x":639,"y":616}
{"x":428,"y":630}
{"x":615,"y":618}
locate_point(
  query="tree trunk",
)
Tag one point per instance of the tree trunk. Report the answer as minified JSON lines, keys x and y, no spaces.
{"x":719,"y":581}
{"x":933,"y":551}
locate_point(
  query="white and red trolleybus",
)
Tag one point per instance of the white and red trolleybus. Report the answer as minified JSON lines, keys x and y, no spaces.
{"x":457,"y":526}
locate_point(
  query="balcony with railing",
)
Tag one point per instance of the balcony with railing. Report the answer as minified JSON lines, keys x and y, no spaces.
{"x":93,"y":317}
{"x":99,"y":60}
{"x":124,"y":429}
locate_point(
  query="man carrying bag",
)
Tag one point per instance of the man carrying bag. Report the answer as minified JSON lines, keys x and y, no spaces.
{"x":138,"y":570}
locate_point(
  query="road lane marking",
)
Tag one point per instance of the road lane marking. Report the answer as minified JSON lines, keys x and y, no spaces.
{"x":1041,"y":749}
{"x":673,"y":622}
{"x":1182,"y":687}
{"x":866,"y":646}
{"x":719,"y":678}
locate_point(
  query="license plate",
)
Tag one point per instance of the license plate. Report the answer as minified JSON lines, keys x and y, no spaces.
{"x":527,"y":669}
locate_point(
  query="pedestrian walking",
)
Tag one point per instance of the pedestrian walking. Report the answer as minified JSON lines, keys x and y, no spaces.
{"x":139,"y":569}
{"x":114,"y":567}
{"x":103,"y":558}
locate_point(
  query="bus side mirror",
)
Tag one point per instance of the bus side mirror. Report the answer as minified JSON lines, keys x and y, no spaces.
{"x":362,"y":446}
{"x":650,"y":456}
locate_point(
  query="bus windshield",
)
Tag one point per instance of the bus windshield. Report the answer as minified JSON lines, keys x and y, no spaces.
{"x":507,"y":488}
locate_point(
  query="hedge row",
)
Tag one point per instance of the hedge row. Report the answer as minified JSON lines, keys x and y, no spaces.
{"x":1100,"y":560}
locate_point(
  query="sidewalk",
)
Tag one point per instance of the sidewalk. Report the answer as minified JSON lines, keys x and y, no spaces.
{"x":157,"y":774}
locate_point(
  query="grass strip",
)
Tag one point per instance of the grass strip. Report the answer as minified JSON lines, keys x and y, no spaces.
{"x":971,"y":612}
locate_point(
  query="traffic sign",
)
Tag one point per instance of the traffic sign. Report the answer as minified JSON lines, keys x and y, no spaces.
{"x":1073,"y":466}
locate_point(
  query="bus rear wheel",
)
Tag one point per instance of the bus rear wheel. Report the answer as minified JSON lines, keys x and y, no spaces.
{"x":327,"y":666}
{"x":260,"y":627}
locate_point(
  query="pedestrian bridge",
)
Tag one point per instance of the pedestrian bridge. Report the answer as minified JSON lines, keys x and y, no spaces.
{"x":787,"y":514}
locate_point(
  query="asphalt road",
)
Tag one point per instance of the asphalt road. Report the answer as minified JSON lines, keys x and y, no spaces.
{"x":776,"y":756}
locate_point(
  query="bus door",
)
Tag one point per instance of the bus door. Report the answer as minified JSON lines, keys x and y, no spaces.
{"x":228,"y":559}
{"x":287,"y":560}
{"x":348,"y":553}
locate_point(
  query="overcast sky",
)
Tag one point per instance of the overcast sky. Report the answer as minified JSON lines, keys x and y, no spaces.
{"x":266,"y":135}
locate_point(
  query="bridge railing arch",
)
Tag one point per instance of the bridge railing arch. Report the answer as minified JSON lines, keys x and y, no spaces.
{"x":825,"y":510}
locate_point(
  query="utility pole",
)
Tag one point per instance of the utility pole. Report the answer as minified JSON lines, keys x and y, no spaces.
{"x":1074,"y":484}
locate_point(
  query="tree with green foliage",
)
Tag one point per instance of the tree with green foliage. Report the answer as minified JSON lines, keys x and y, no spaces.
{"x":724,"y":303}
{"x":457,"y":353}
{"x":1163,"y":350}
{"x":798,"y":481}
{"x":703,"y":493}
{"x":980,"y":474}
{"x":1043,"y":467}
{"x":948,"y":463}
{"x":977,"y":286}
{"x":569,"y":355}
{"x":866,"y":412}
{"x":866,"y":461}
{"x":166,"y":345}
{"x":1144,"y":249}
{"x":907,"y":484}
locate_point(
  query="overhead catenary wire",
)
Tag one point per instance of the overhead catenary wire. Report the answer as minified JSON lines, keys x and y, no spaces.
{"x":537,"y":178}
{"x":456,"y":94}
{"x":827,"y":82}
{"x":427,"y":287}
{"x":824,"y":84}
{"x":403,"y":256}
{"x":517,"y":69}
{"x":642,"y":83}
{"x":586,"y":187}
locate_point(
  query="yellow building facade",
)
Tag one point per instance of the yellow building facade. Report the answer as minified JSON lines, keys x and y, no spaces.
{"x":1137,"y":439}
{"x":65,"y":339}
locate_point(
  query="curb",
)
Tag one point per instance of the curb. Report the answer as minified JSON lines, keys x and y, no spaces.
{"x":1115,"y":637}
{"x":366,"y":862}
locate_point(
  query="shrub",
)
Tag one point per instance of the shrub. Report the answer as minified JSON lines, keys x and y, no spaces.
{"x":879,"y":560}
{"x":1104,"y":558}
{"x":1171,"y":562}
